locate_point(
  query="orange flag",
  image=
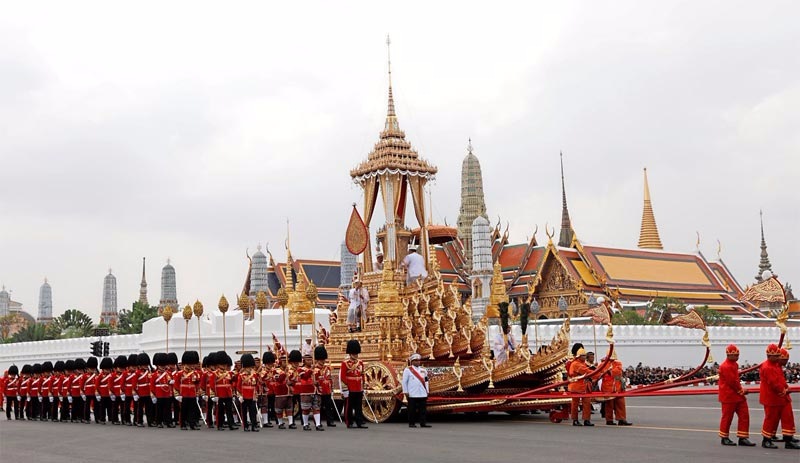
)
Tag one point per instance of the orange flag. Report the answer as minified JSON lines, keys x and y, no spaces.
{"x":356,"y":235}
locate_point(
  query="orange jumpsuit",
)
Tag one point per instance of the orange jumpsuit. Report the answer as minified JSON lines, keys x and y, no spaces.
{"x":613,"y":382}
{"x":732,"y":398}
{"x":579,"y":368}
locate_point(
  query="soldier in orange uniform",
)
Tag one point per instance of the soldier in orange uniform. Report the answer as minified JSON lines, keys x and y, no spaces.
{"x":613,"y":381}
{"x":247,"y":384}
{"x":733,"y":400}
{"x":787,"y":415}
{"x":351,"y":376}
{"x":578,"y":368}
{"x":773,"y":392}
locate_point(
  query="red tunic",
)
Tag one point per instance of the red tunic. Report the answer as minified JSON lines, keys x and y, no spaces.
{"x":90,"y":383}
{"x":223,"y":386}
{"x":730,"y":389}
{"x":76,"y":385}
{"x":772,"y":391}
{"x":103,"y":383}
{"x":129,"y":382}
{"x":44,"y":388}
{"x":351,"y":374}
{"x":278,"y":382}
{"x":186,"y":383}
{"x":34,"y":388}
{"x":24,"y":386}
{"x":247,"y":384}
{"x":141,"y":383}
{"x":322,"y":374}
{"x":12,"y":387}
{"x":159,"y":384}
{"x":55,"y":384}
{"x":117,"y":383}
{"x":305,"y":381}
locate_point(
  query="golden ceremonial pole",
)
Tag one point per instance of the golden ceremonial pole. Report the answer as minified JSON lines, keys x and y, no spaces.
{"x":198,"y":312}
{"x":261,"y":304}
{"x":167,"y":315}
{"x":187,"y":315}
{"x":283,"y":299}
{"x":223,"y":307}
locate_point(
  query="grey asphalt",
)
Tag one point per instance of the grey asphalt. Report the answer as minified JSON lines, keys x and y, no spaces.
{"x":666,"y":429}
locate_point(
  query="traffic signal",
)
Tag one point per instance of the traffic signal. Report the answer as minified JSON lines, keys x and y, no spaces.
{"x":105,"y":349}
{"x":97,"y":348}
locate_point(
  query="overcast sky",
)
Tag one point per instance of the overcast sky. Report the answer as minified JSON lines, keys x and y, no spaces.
{"x":194,"y":132}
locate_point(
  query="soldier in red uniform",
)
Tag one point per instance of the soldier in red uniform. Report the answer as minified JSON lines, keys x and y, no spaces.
{"x":209,"y":380}
{"x":34,"y":403}
{"x":161,"y":391}
{"x":45,"y":390}
{"x":11,"y":392}
{"x":128,"y":377}
{"x":24,"y":390}
{"x":306,"y":388}
{"x":187,"y":382}
{"x":787,"y":415}
{"x":579,"y":368}
{"x":90,"y":390}
{"x":322,"y":378}
{"x":103,"y":390}
{"x":223,"y":390}
{"x":292,"y":379}
{"x":278,"y":383}
{"x":772,"y":393}
{"x":117,"y":388}
{"x":66,"y":390}
{"x":351,"y":377}
{"x":76,"y":392}
{"x":267,"y":367}
{"x":733,"y":400}
{"x":247,"y":383}
{"x":142,"y":405}
{"x":55,"y":389}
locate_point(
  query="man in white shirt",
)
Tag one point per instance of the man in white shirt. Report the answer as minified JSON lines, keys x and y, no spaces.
{"x":415,"y":387}
{"x":415,"y":265}
{"x":307,"y":348}
{"x":501,"y":347}
{"x":359,"y":298}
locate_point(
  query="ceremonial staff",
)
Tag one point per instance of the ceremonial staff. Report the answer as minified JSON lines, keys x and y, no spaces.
{"x":167,"y":315}
{"x":187,"y":315}
{"x":198,"y":312}
{"x":261,"y":304}
{"x":223,"y":307}
{"x":283,"y":299}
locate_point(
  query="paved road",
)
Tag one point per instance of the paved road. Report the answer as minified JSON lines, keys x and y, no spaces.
{"x":667,"y":429}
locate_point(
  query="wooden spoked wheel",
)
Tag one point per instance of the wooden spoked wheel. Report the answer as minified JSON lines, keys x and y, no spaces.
{"x":380,"y":382}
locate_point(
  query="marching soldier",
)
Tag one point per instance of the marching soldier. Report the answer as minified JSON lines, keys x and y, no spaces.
{"x":283,"y":397}
{"x":55,"y":389}
{"x":103,"y":390}
{"x":210,"y":381}
{"x":322,"y":378}
{"x":117,"y":385}
{"x":142,"y":405}
{"x":11,"y":391}
{"x":24,"y":390}
{"x":186,"y":383}
{"x":292,"y":379}
{"x":45,"y":391}
{"x":267,"y":367}
{"x":75,"y":391}
{"x":35,"y":403}
{"x":223,"y":389}
{"x":351,"y":376}
{"x":787,"y":415}
{"x":306,"y":388}
{"x":89,"y":391}
{"x":577,"y":369}
{"x":247,"y":384}
{"x":733,"y":400}
{"x":66,"y":390}
{"x":772,"y":392}
{"x":128,"y":382}
{"x":161,"y":391}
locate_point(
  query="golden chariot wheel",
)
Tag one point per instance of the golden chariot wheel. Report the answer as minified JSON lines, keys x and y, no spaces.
{"x":380,"y":400}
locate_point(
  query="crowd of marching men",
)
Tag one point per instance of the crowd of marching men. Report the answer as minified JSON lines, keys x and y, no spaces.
{"x":130,"y":391}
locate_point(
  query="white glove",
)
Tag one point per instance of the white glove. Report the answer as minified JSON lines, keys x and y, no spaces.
{"x":40,"y":399}
{"x":172,"y":381}
{"x":215,"y":399}
{"x":51,"y":399}
{"x":135,"y":397}
{"x":345,"y":394}
{"x":83,"y":396}
{"x":122,"y":397}
{"x":69,"y":399}
{"x":113,"y":398}
{"x":155,"y":400}
{"x":98,"y":398}
{"x":205,"y":397}
{"x":179,"y":398}
{"x":241,"y":399}
{"x":19,"y":399}
{"x":28,"y":397}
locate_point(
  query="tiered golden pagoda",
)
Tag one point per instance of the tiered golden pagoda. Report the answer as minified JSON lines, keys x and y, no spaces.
{"x":498,"y":293}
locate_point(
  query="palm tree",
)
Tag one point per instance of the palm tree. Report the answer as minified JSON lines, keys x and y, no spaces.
{"x":32,"y":332}
{"x":71,"y":324}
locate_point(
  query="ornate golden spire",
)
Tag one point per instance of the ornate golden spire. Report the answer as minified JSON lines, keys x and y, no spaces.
{"x":648,"y":235}
{"x":391,"y":117}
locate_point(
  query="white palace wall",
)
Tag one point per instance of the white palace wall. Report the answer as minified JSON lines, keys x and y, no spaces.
{"x":652,"y":345}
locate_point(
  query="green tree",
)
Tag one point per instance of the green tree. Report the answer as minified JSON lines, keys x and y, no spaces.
{"x":628,"y":317}
{"x":32,"y":332}
{"x":71,"y":324}
{"x":130,"y":321}
{"x":713,"y":317}
{"x":663,"y":309}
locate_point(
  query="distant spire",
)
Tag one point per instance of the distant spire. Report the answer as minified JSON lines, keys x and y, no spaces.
{"x":143,"y":286}
{"x":565,"y":238}
{"x":764,"y":264}
{"x":473,"y":203}
{"x":648,"y":235}
{"x":391,"y":116}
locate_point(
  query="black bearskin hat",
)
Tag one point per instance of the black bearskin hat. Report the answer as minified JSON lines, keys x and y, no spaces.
{"x":159,"y":359}
{"x":26,"y":369}
{"x":106,"y":363}
{"x":190,"y":357}
{"x":172,"y":359}
{"x":353,"y":347}
{"x":80,"y":364}
{"x":121,"y":361}
{"x":295,"y":356}
{"x":36,"y":369}
{"x":212,"y":360}
{"x":320,"y":353}
{"x":204,"y":363}
{"x":47,"y":367}
{"x":133,"y":360}
{"x":58,"y":367}
{"x":248,"y":361}
{"x":143,"y":360}
{"x":13,"y":370}
{"x":268,"y":358}
{"x":575,"y":348}
{"x":91,"y":363}
{"x":69,"y":365}
{"x":224,"y":359}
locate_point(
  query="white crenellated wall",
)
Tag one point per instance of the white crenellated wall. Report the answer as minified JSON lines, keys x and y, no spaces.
{"x":652,"y":345}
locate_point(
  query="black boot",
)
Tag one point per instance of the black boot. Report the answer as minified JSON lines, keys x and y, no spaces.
{"x":726,"y":441}
{"x":576,"y":423}
{"x":624,"y":423}
{"x":790,"y":443}
{"x":588,"y":423}
{"x":611,"y":423}
{"x":768,"y":444}
{"x":745,"y":442}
